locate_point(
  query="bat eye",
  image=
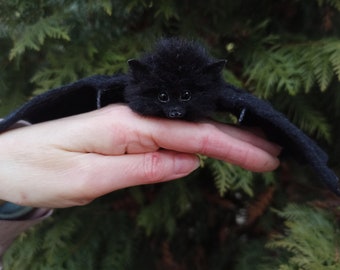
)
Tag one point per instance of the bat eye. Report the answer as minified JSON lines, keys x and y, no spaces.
{"x":185,"y":95}
{"x":163,"y":97}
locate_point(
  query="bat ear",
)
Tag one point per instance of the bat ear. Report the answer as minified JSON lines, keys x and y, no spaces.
{"x":138,"y":68}
{"x":215,"y":67}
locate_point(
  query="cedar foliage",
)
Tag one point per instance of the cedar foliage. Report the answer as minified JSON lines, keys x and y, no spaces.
{"x":220,"y":217}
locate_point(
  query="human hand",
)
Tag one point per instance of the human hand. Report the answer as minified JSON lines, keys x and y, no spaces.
{"x":71,"y":161}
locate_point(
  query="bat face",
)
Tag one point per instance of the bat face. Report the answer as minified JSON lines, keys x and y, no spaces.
{"x":176,"y":100}
{"x":179,"y":82}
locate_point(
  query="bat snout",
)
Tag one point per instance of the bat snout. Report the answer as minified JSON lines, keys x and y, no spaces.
{"x":176,"y":112}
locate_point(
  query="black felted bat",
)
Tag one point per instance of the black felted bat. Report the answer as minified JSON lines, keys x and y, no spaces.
{"x":177,"y":80}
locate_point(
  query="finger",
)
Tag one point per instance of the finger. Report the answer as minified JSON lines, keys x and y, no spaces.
{"x":250,"y":136}
{"x":117,"y":172}
{"x":227,"y":143}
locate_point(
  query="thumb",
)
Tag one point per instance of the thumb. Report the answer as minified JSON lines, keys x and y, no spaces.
{"x":103,"y":174}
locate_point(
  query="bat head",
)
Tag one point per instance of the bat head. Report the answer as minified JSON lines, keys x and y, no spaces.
{"x":177,"y":80}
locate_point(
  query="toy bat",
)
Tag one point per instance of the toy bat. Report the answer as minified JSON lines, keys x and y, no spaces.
{"x":177,"y":80}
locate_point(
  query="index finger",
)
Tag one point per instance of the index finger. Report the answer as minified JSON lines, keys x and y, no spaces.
{"x":224,"y":144}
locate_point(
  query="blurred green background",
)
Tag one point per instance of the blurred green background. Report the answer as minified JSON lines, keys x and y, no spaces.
{"x":220,"y":217}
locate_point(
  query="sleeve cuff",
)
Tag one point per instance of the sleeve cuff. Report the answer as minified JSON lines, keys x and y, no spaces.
{"x":10,"y":229}
{"x":10,"y":211}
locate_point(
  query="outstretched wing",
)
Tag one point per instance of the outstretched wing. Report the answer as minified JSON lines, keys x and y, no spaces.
{"x":81,"y":96}
{"x":256,"y":112}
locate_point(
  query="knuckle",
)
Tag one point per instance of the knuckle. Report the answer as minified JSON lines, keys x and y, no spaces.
{"x":153,"y":167}
{"x":208,"y":140}
{"x":246,"y":157}
{"x":203,"y":145}
{"x":248,"y":160}
{"x":119,"y":139}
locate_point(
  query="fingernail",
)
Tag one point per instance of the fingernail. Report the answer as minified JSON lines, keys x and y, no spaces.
{"x":185,"y":163}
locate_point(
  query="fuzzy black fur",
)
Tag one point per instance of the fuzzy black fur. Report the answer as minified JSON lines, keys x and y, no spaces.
{"x":175,"y":69}
{"x":178,"y":80}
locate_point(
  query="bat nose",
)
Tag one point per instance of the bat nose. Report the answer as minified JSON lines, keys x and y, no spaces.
{"x":176,"y":113}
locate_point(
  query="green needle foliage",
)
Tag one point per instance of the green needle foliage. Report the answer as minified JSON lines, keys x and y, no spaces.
{"x":219,"y":217}
{"x":308,"y":229}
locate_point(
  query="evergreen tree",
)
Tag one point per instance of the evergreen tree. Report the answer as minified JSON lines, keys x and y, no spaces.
{"x":220,"y":217}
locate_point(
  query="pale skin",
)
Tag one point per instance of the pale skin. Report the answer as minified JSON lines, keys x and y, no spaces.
{"x":72,"y":161}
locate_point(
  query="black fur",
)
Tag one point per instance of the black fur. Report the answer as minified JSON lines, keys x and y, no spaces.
{"x":177,"y":80}
{"x":175,"y":68}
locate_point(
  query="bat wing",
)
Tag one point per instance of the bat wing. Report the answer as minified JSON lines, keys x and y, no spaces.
{"x":253,"y":111}
{"x":79,"y":97}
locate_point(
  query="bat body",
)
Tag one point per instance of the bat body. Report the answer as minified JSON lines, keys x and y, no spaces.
{"x":177,"y":80}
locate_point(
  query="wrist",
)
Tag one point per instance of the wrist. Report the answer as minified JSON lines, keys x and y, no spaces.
{"x":8,"y":210}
